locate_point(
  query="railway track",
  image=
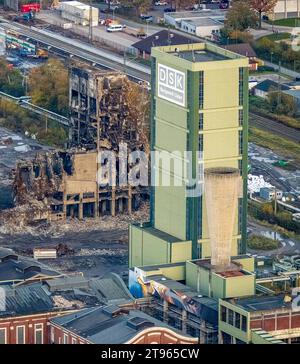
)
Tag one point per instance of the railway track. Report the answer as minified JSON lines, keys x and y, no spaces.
{"x":274,"y":127}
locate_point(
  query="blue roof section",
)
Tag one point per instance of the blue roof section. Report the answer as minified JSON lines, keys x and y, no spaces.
{"x":267,"y":86}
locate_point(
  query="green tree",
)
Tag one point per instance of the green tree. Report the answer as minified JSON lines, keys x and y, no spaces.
{"x":240,"y":16}
{"x":140,"y":6}
{"x":11,"y":80}
{"x":49,"y":86}
{"x":281,"y":103}
{"x":267,"y":210}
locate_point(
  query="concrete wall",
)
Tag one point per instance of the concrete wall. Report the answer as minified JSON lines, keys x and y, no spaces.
{"x":148,"y":249}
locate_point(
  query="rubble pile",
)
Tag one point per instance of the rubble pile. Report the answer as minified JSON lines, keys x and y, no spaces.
{"x":255,"y":183}
{"x":42,"y":177}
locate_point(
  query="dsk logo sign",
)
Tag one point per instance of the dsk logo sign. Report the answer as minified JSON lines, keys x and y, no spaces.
{"x":171,"y":85}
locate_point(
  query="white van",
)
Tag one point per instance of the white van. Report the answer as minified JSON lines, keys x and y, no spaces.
{"x":114,"y":28}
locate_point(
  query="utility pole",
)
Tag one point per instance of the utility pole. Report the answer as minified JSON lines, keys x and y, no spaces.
{"x":279,"y":85}
{"x":97,"y":207}
{"x":91,"y":23}
{"x":275,"y":211}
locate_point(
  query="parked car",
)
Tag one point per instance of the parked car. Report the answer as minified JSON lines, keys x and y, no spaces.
{"x":115,"y":28}
{"x":169,"y":10}
{"x":147,"y":18}
{"x":161,"y":3}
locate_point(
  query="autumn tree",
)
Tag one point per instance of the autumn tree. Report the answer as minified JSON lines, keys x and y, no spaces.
{"x":281,"y":103}
{"x":182,"y":4}
{"x":240,"y":16}
{"x":140,"y":6}
{"x":11,"y":80}
{"x":262,"y":6}
{"x":49,"y":86}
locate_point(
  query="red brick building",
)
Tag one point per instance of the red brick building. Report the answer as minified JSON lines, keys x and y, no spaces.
{"x":31,"y":329}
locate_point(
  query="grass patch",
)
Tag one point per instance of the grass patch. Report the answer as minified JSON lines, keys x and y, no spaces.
{"x":278,"y":144}
{"x":258,"y":242}
{"x":277,"y":36}
{"x":291,"y":22}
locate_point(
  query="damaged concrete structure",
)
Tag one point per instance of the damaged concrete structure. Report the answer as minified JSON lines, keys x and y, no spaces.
{"x":106,"y":110}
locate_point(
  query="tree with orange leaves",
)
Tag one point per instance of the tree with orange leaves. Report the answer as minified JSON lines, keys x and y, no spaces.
{"x":262,"y":6}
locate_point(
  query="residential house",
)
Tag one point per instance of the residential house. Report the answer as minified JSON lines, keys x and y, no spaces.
{"x":162,"y":38}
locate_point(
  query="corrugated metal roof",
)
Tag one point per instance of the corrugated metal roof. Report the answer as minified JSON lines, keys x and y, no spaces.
{"x":26,"y":299}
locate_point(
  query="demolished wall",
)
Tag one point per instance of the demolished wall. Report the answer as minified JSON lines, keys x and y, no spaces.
{"x":123,"y":110}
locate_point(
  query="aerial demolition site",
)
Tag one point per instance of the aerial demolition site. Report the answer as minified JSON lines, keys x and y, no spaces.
{"x":106,"y":110}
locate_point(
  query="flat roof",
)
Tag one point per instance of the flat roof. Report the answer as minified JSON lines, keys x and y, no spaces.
{"x":204,"y":22}
{"x":231,"y":273}
{"x":261,"y":303}
{"x":102,"y":325}
{"x":199,"y":56}
{"x":158,"y":233}
{"x":202,"y":55}
{"x":196,"y":14}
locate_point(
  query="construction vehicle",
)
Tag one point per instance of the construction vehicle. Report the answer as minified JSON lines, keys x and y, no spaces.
{"x":38,"y":54}
{"x":25,"y":17}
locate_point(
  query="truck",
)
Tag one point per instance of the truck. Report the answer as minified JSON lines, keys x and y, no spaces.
{"x":138,"y":33}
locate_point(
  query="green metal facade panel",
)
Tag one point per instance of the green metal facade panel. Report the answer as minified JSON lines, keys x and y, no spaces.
{"x":243,"y":247}
{"x":193,"y":206}
{"x":218,"y":286}
{"x":170,"y":211}
{"x":155,"y":250}
{"x":170,"y":138}
{"x":135,"y":246}
{"x":240,"y":286}
{"x":191,"y":278}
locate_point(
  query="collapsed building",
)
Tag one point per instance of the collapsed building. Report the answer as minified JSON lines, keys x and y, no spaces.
{"x":106,"y":110}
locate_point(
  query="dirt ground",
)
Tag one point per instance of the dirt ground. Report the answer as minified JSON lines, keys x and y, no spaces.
{"x":99,"y":246}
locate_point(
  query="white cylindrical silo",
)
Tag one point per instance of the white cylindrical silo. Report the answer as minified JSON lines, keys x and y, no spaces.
{"x":221,"y":188}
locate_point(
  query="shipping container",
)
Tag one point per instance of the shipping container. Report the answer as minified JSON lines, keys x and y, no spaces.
{"x":25,"y":8}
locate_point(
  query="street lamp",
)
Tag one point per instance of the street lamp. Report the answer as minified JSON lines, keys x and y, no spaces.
{"x":272,"y":57}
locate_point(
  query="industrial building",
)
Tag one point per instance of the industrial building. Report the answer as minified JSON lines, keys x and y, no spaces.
{"x":79,"y":13}
{"x":190,"y":258}
{"x":198,"y":119}
{"x":202,"y":23}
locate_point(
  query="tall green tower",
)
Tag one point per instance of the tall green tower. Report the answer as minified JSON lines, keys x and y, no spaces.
{"x":199,"y":103}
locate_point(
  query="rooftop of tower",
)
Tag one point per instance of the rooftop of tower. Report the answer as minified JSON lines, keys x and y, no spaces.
{"x":201,"y":55}
{"x":197,"y":54}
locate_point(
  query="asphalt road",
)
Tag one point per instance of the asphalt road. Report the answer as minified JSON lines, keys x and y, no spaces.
{"x":274,"y":127}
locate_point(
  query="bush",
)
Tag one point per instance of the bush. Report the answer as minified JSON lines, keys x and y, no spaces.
{"x":258,"y":242}
{"x":265,"y":212}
